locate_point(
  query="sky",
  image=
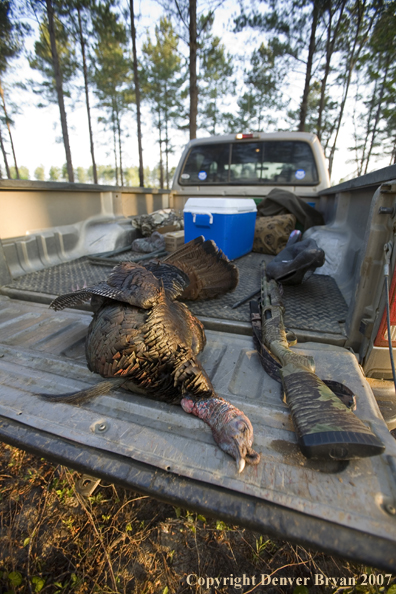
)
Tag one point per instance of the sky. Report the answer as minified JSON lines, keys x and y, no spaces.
{"x":36,"y":129}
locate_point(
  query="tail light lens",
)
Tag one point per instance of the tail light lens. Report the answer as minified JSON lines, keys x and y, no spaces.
{"x":243,"y":136}
{"x":381,"y":339}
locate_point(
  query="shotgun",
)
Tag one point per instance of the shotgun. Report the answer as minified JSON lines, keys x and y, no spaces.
{"x":325,"y":426}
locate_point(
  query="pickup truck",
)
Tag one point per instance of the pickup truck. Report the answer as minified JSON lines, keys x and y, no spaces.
{"x":52,"y":235}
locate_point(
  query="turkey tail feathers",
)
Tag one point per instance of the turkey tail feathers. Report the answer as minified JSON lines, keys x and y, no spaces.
{"x":208,"y":268}
{"x":71,"y":299}
{"x":100,"y":389}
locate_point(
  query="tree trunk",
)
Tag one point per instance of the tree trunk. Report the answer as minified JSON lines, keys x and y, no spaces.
{"x":393,"y":155}
{"x":308,"y":72}
{"x":115,"y":146}
{"x":368,"y":128}
{"x":5,"y":156}
{"x":166,"y":118}
{"x":193,"y":69}
{"x":352,"y":61}
{"x":330,"y":43}
{"x":119,"y":146}
{"x":161,"y":163}
{"x":137,"y":95}
{"x":59,"y":89}
{"x":378,"y":114}
{"x":85,"y":72}
{"x":9,"y":129}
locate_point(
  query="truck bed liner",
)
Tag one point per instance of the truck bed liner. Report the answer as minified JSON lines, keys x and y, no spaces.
{"x":316,"y":306}
{"x":43,"y":351}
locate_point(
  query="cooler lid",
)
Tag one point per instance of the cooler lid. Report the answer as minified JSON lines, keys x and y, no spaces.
{"x":220,"y":205}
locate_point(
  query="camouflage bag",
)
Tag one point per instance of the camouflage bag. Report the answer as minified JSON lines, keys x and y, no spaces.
{"x":271,"y":233}
{"x":147,"y":223}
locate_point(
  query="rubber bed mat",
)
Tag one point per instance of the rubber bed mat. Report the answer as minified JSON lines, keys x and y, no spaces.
{"x":316,"y":305}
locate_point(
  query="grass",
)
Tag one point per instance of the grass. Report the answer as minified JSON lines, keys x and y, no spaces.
{"x":54,"y":540}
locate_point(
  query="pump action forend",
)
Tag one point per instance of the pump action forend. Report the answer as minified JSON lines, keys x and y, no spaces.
{"x":325,"y":427}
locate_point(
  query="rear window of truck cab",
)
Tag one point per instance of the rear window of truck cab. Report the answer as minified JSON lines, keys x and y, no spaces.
{"x":272,"y":162}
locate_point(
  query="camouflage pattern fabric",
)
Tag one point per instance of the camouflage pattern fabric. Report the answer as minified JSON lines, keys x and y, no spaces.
{"x":271,"y":233}
{"x":147,"y":223}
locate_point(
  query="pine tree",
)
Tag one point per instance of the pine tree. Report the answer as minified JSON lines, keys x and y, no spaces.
{"x":54,"y":173}
{"x":76,"y":16}
{"x":192,"y":25}
{"x":11,"y":37}
{"x":39,"y":173}
{"x":262,"y":104}
{"x":361,"y":16}
{"x":162,"y":86}
{"x":291,"y":26}
{"x":137,"y":93}
{"x":333,"y":17}
{"x":215,"y":80}
{"x":55,"y":59}
{"x":112,"y":74}
{"x":378,"y":67}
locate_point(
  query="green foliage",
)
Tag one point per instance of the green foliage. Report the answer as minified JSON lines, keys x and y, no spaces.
{"x":23,"y":173}
{"x":15,"y":579}
{"x":215,"y":81}
{"x":328,"y":118}
{"x":39,"y":173}
{"x":112,"y":72}
{"x":131,"y":176}
{"x":81,"y":175}
{"x":161,"y":85}
{"x":111,"y":67}
{"x":54,"y":174}
{"x":41,"y":61}
{"x":260,"y":106}
{"x":377,"y":67}
{"x":105,"y":174}
{"x":38,"y":583}
{"x":11,"y":35}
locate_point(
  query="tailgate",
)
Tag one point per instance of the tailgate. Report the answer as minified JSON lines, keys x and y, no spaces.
{"x":342,"y":508}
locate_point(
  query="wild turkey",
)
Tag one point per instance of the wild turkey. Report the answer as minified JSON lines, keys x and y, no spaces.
{"x":141,"y":335}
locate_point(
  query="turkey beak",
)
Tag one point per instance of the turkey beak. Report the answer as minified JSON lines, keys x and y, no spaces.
{"x":245,"y":455}
{"x":240,"y":464}
{"x":240,"y":457}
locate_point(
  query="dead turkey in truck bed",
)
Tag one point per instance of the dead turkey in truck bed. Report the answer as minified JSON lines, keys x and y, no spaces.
{"x":140,"y":333}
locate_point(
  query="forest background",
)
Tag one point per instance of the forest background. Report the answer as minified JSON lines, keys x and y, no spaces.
{"x":107,"y":91}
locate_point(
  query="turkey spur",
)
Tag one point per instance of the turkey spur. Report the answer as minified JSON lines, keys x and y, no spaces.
{"x":147,"y":339}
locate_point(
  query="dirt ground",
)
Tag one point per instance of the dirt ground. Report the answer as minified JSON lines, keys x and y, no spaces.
{"x":54,"y":540}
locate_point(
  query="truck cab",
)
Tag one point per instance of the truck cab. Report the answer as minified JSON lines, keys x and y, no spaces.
{"x":251,"y":165}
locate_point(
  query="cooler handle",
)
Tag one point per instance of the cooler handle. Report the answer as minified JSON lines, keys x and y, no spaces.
{"x":200,"y":222}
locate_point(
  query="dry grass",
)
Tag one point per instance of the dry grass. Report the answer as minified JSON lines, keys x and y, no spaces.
{"x":53,"y":540}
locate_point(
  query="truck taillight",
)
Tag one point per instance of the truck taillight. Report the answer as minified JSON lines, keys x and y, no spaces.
{"x":242,"y":136}
{"x":381,"y":339}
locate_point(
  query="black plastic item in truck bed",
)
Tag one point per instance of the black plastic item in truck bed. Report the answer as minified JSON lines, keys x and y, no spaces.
{"x":315,"y":306}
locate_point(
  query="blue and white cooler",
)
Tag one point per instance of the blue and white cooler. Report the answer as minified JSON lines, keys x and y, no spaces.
{"x":228,"y":221}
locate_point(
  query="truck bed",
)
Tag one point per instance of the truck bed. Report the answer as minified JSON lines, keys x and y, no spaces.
{"x":343,"y":508}
{"x":315,"y":310}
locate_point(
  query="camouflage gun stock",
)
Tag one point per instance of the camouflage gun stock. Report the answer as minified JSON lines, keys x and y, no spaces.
{"x":325,"y":426}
